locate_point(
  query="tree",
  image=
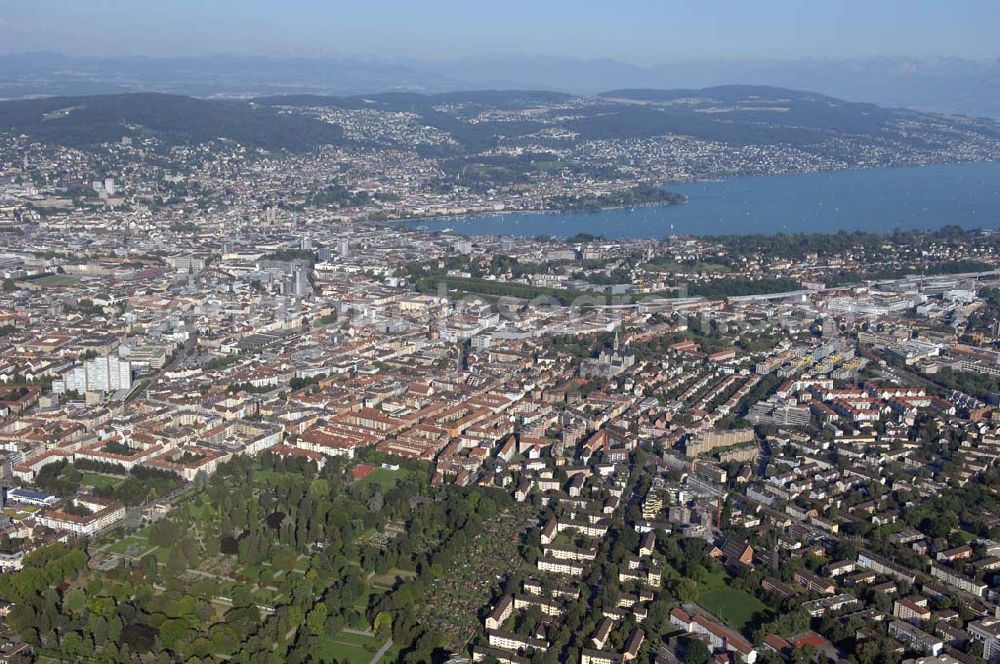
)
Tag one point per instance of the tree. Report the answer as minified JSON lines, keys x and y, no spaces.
{"x":658,"y":617}
{"x":176,"y":561}
{"x":163,"y":533}
{"x":881,"y":602}
{"x":803,"y":655}
{"x":242,"y":597}
{"x":74,"y":600}
{"x":174,"y":632}
{"x":139,"y":637}
{"x":683,"y":589}
{"x":72,"y":644}
{"x":695,"y":652}
{"x":382,"y":623}
{"x":877,"y":651}
{"x":98,"y":626}
{"x":316,"y":618}
{"x":115,"y":628}
{"x":295,"y":616}
{"x":225,"y":640}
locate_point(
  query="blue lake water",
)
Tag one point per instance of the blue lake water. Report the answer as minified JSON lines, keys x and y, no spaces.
{"x":875,"y":200}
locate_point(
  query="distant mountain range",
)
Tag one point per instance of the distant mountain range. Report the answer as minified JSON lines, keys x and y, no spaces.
{"x":941,"y":85}
{"x":938,"y":84}
{"x":736,"y":115}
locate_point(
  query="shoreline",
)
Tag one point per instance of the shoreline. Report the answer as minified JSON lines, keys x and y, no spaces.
{"x":684,"y":183}
{"x":532,"y":211}
{"x":793,"y":211}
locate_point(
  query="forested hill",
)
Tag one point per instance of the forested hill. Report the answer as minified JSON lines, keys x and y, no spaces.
{"x":477,"y":121}
{"x":736,"y":114}
{"x":744,"y":104}
{"x":173,"y":119}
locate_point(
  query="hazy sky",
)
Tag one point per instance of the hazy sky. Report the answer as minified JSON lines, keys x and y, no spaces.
{"x":639,"y":31}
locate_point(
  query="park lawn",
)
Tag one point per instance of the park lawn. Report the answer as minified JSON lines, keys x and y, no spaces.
{"x":360,"y":623}
{"x":135,"y":547}
{"x":548,"y":164}
{"x":712,"y":580}
{"x":388,"y":580}
{"x":963,"y":536}
{"x":54,"y":281}
{"x":161,"y":553}
{"x":206,"y":589}
{"x":270,"y":576}
{"x":222,"y":589}
{"x":891,"y":528}
{"x":47,"y":659}
{"x":384,"y":477}
{"x":257,"y":573}
{"x":571,"y":536}
{"x":21,"y":512}
{"x":392,"y":654}
{"x":736,"y":607}
{"x":99,"y":481}
{"x":342,"y":652}
{"x":264,"y":477}
{"x":263,"y":596}
{"x":361,"y":604}
{"x":203,"y":514}
{"x":360,"y":640}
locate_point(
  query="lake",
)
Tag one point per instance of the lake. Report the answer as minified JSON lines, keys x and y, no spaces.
{"x":874,"y":200}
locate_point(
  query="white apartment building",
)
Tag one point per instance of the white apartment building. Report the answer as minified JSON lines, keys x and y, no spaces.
{"x":102,"y":514}
{"x":101,"y":374}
